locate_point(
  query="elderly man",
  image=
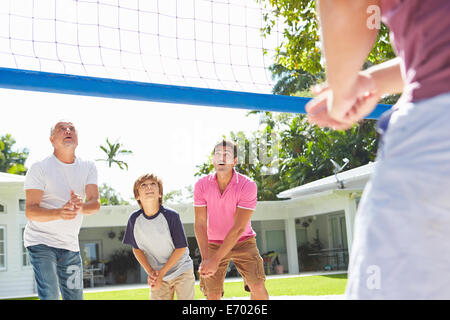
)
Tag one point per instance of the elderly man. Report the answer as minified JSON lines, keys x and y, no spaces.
{"x":60,"y":190}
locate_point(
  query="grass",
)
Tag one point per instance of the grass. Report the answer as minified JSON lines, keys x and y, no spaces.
{"x":309,"y":285}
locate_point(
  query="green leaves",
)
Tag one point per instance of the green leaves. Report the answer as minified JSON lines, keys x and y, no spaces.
{"x":12,"y":161}
{"x":301,"y":47}
{"x":113,"y":151}
{"x":109,"y":196}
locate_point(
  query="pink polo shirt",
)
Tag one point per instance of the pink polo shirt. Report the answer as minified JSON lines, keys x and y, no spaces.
{"x":241,"y":192}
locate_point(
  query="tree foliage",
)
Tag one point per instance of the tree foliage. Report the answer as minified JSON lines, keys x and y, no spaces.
{"x":301,"y":48}
{"x":113,"y":151}
{"x":179,"y":196}
{"x":110,"y":197}
{"x":12,"y":161}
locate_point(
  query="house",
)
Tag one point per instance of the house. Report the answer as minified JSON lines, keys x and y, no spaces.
{"x":311,"y":228}
{"x":16,"y":273}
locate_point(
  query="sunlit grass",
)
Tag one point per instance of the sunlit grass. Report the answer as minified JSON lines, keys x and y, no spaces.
{"x":292,"y":286}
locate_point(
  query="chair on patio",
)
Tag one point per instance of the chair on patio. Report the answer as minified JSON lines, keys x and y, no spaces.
{"x":99,"y":274}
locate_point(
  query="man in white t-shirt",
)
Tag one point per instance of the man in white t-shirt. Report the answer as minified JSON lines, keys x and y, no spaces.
{"x":60,"y":190}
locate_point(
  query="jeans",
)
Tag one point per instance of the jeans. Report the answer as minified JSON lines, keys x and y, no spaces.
{"x":57,"y":270}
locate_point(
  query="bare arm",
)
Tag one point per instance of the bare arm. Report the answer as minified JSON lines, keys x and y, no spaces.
{"x":241,"y":218}
{"x":142,"y":259}
{"x":152,"y":274}
{"x":346,"y":43}
{"x":34,"y":211}
{"x":155,"y":280}
{"x":387,"y":76}
{"x":209,"y":266}
{"x":346,"y":39}
{"x":201,"y":234}
{"x":350,"y":94}
{"x":174,"y":257}
{"x":68,"y":211}
{"x":92,"y":204}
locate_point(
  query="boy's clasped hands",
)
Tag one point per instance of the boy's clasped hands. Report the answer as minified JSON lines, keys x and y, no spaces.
{"x":154,"y":280}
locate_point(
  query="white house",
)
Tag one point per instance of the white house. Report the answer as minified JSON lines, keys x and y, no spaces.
{"x":323,"y":210}
{"x":16,"y":273}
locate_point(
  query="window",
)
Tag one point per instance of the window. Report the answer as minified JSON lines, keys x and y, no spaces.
{"x":276,"y":241}
{"x":301,"y":236}
{"x":2,"y":248}
{"x":25,"y":255}
{"x":338,"y":231}
{"x":90,"y":252}
{"x":2,"y":208}
{"x":22,"y":205}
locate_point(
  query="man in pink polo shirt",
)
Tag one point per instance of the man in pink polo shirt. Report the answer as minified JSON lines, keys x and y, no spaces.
{"x":224,"y":202}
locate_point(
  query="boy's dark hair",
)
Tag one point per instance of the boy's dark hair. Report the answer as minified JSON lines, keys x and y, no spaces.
{"x":141,"y":179}
{"x":227,"y":143}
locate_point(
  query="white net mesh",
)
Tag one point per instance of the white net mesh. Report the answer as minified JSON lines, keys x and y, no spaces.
{"x":213,"y":44}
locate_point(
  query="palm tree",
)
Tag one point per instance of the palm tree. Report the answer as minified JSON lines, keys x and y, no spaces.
{"x":112,"y":151}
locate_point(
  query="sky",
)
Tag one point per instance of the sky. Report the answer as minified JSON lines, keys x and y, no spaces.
{"x":166,"y":139}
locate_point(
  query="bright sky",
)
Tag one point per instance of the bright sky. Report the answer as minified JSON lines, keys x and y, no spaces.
{"x":167,"y":139}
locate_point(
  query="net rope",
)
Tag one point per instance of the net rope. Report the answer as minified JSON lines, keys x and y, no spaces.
{"x":214,"y":44}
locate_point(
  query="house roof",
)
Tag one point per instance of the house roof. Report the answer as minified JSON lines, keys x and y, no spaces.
{"x":351,"y":179}
{"x":11,"y":178}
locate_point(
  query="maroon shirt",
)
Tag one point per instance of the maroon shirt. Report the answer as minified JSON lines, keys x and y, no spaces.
{"x":420,"y":34}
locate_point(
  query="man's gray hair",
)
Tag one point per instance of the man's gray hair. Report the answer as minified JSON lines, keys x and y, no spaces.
{"x":59,"y":121}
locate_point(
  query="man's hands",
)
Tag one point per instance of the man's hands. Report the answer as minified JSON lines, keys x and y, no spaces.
{"x":208,"y":267}
{"x":339,"y":110}
{"x":72,"y":207}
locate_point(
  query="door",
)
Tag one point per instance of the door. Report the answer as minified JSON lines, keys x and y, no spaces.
{"x":337,"y":236}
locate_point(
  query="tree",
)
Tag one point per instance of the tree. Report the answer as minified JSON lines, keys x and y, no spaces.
{"x":110,"y":197}
{"x":113,"y":151}
{"x":293,"y":81}
{"x":301,"y":49}
{"x":12,"y":161}
{"x":179,"y":196}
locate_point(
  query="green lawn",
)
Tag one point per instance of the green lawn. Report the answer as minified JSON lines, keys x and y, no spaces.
{"x":309,"y":285}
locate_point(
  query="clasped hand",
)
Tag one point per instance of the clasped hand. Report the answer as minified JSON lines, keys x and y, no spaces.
{"x":208,"y":268}
{"x":72,"y":207}
{"x":154,"y":280}
{"x":339,"y":110}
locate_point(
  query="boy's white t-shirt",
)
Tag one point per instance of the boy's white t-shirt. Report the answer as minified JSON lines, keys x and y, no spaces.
{"x":57,"y":179}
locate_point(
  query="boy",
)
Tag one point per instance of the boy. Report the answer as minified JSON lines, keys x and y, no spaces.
{"x":159,"y":243}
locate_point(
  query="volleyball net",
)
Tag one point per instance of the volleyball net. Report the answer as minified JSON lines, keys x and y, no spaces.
{"x":201,"y":52}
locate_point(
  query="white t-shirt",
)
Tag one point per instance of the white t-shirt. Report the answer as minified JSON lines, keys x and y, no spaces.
{"x":56,"y":179}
